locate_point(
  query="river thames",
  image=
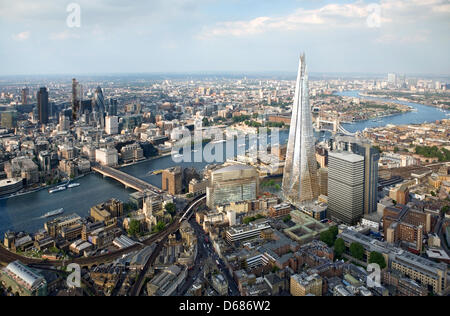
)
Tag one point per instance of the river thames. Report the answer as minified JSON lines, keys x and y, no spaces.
{"x":24,"y":213}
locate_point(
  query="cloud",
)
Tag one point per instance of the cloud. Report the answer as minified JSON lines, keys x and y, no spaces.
{"x":22,"y":36}
{"x":65,"y":35}
{"x":331,"y":16}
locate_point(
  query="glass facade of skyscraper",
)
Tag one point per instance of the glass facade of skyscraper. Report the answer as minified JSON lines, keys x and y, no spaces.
{"x":300,"y":182}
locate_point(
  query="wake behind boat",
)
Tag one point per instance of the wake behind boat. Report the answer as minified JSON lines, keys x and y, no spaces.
{"x":57,"y":189}
{"x":54,"y":213}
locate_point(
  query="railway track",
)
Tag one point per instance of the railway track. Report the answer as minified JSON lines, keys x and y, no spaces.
{"x":7,"y":256}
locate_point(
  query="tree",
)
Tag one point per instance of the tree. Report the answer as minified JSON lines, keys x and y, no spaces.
{"x":357,"y":251}
{"x":378,"y":258}
{"x":134,"y":228}
{"x":171,"y":209}
{"x":205,"y":122}
{"x":327,"y":237}
{"x":247,"y":220}
{"x":53,"y":250}
{"x":334,"y":230}
{"x":128,"y":207}
{"x":445,"y":210}
{"x":160,"y":226}
{"x":287,"y":218}
{"x":339,"y":247}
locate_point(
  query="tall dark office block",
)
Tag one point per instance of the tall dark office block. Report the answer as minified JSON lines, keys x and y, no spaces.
{"x":112,"y":109}
{"x":76,"y":99}
{"x":371,"y":158}
{"x":42,"y":105}
{"x":25,"y":92}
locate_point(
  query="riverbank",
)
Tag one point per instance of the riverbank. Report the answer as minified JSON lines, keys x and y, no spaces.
{"x":43,"y":187}
{"x":413,"y":98}
{"x":48,"y":187}
{"x":420,"y":113}
{"x":144,"y":160}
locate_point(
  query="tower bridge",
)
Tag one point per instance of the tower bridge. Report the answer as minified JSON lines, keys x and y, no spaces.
{"x":321,"y":125}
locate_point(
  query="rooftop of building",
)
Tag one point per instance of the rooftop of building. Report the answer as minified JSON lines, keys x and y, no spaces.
{"x":235,"y":167}
{"x":30,"y":278}
{"x":11,"y":181}
{"x":347,"y":156}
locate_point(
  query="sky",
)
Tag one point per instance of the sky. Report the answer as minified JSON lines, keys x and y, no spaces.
{"x":183,"y":36}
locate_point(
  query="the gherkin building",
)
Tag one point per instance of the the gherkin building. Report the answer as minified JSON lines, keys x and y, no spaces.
{"x":300,"y":182}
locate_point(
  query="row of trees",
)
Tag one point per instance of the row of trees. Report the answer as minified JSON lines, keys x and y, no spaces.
{"x":433,"y":152}
{"x":356,"y":249}
{"x":134,"y":228}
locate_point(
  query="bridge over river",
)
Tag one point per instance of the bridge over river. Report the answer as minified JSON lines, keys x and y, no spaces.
{"x":126,"y":179}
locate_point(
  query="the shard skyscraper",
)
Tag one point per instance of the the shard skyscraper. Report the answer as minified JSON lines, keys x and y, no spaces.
{"x":300,"y":182}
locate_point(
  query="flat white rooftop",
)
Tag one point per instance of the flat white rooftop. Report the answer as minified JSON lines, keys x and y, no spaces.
{"x":347,"y":156}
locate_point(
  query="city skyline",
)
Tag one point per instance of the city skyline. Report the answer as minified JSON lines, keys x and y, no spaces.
{"x":220,"y":36}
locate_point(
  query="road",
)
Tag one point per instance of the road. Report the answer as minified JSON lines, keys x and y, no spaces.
{"x":202,"y":255}
{"x":206,"y":250}
{"x":438,"y":229}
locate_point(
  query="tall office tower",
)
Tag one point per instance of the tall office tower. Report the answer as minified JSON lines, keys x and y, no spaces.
{"x":86,"y":107}
{"x":300,"y":183}
{"x":76,"y":99}
{"x":99,"y":105}
{"x":42,"y":105}
{"x":25,"y":92}
{"x":64,"y":123}
{"x":99,"y":100}
{"x":392,"y":78}
{"x":112,"y":125}
{"x":112,"y":109}
{"x":233,"y":183}
{"x":345,"y":187}
{"x":371,"y":158}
